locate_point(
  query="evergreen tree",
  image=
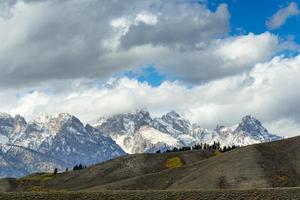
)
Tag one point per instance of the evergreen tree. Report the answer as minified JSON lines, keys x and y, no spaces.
{"x":80,"y":167}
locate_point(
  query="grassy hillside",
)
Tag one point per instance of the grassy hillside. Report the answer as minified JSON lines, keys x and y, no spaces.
{"x":115,"y":170}
{"x":275,"y":164}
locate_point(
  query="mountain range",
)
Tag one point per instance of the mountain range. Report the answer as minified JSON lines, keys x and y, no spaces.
{"x":63,"y":141}
{"x":137,"y":132}
{"x":50,"y":142}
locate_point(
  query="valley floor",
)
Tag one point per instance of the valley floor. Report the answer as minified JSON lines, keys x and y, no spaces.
{"x":280,"y":193}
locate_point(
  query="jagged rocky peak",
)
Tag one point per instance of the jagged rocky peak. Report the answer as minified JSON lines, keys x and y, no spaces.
{"x":250,"y":124}
{"x":19,"y":119}
{"x":172,"y":123}
{"x":4,"y":115}
{"x":219,"y":128}
{"x":139,"y":114}
{"x":249,"y":118}
{"x":19,"y":123}
{"x":56,"y":122}
{"x":125,"y":123}
{"x":59,"y":140}
{"x":66,"y":118}
{"x":62,"y":117}
{"x":9,"y":124}
{"x":6,"y":119}
{"x":172,"y":114}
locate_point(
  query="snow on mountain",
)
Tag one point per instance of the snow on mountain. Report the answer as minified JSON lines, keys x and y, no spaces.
{"x":18,"y":161}
{"x":48,"y":142}
{"x":3,"y":139}
{"x":172,"y":123}
{"x":147,"y":139}
{"x":122,"y":124}
{"x":136,"y":132}
{"x":62,"y":141}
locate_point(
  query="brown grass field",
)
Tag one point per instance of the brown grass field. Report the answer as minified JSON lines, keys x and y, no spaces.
{"x":274,"y":194}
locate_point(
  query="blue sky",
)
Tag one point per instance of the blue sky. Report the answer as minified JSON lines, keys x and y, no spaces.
{"x":251,"y":16}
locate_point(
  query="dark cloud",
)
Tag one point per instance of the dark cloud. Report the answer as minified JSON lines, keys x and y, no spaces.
{"x":48,"y":40}
{"x":184,"y":25}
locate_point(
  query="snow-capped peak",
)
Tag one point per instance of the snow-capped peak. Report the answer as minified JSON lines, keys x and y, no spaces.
{"x":100,"y":121}
{"x":126,"y":130}
{"x":249,"y":119}
{"x":172,"y":123}
{"x":4,"y":115}
{"x":60,"y":117}
{"x":64,"y":117}
{"x":250,"y":124}
{"x":60,"y":139}
{"x":42,"y":119}
{"x":173,"y":114}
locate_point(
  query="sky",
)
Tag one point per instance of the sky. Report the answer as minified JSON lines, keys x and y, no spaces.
{"x":212,"y":61}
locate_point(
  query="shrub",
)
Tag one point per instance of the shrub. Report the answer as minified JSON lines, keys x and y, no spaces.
{"x":174,"y":162}
{"x":216,"y":153}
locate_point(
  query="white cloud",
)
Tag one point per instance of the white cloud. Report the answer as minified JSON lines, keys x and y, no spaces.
{"x":269,"y":91}
{"x":286,"y":127}
{"x":280,"y":17}
{"x":57,"y":40}
{"x":60,"y":40}
{"x":216,"y":59}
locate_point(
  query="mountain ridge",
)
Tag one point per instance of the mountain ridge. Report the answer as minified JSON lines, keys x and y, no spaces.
{"x":126,"y":131}
{"x":60,"y":141}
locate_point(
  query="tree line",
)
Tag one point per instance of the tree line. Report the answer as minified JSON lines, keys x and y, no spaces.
{"x":75,"y":168}
{"x":202,"y":146}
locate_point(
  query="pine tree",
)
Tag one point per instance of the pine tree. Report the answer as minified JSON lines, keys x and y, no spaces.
{"x":80,"y":167}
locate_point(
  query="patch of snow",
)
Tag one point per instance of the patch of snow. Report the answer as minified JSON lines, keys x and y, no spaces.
{"x":155,"y":136}
{"x":3,"y":139}
{"x":4,"y":115}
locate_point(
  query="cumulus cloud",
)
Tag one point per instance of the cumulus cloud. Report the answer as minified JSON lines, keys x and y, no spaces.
{"x":269,"y":92}
{"x":61,"y":40}
{"x":217,"y":59}
{"x":280,"y":17}
{"x":55,"y":40}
